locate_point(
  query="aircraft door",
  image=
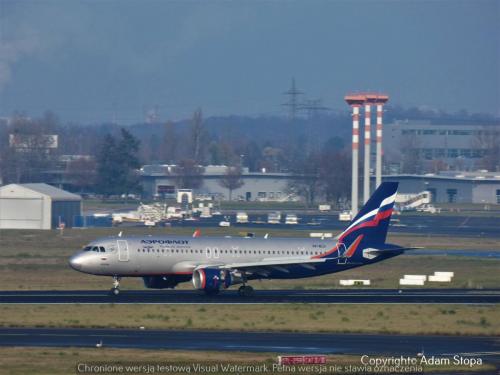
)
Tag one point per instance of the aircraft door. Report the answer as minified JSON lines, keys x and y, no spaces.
{"x":341,"y":254}
{"x":123,"y":255}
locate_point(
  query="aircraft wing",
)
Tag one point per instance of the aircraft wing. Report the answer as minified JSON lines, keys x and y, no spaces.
{"x":266,"y":265}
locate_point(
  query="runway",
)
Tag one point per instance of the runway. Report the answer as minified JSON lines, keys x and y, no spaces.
{"x":361,"y":296}
{"x":300,"y":343}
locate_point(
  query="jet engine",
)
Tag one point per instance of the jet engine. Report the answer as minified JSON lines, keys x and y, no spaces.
{"x":163,"y":282}
{"x":211,"y":280}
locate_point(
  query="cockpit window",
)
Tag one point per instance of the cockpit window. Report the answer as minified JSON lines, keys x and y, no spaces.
{"x":87,"y":248}
{"x":102,"y":249}
{"x":95,"y":248}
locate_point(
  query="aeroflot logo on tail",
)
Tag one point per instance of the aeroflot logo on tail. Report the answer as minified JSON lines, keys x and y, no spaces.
{"x":169,"y":242}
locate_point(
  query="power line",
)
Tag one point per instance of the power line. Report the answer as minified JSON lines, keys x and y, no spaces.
{"x":293,"y":101}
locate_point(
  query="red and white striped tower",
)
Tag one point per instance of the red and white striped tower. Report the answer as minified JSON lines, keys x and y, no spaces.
{"x":355,"y":101}
{"x":381,"y":100}
{"x":368,"y":140}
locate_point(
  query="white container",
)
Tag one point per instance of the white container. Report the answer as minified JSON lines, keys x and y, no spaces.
{"x":354,"y":282}
{"x":415,"y":277}
{"x":242,"y":217}
{"x":320,"y":235}
{"x":205,"y":212}
{"x":411,"y":282}
{"x":445,"y":274}
{"x":439,"y":279}
{"x":345,"y":216}
{"x":274,"y":218}
{"x":324,"y":207}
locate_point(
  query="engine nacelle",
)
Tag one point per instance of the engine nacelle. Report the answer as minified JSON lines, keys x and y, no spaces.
{"x":208,"y":279}
{"x":163,"y":282}
{"x":211,"y":280}
{"x":231,"y":279}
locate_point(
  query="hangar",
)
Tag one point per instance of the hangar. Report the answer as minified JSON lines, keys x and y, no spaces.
{"x":37,"y":206}
{"x":452,"y":186}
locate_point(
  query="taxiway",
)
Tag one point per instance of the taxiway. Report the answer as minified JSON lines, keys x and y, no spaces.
{"x":371,"y":344}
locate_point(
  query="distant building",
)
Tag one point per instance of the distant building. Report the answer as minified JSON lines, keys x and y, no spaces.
{"x":24,"y":142}
{"x":161,"y":181}
{"x":445,"y":187}
{"x":37,"y":206}
{"x":452,"y":187}
{"x":427,"y":147}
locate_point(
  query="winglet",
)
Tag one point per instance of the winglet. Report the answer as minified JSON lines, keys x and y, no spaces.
{"x":197,"y":233}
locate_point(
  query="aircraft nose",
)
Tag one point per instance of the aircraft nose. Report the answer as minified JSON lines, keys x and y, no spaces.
{"x":76,"y":262}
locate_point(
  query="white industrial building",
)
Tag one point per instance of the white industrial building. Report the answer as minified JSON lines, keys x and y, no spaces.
{"x":161,"y":180}
{"x":37,"y":206}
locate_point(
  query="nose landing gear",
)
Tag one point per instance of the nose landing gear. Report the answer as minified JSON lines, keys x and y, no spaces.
{"x":115,"y":290}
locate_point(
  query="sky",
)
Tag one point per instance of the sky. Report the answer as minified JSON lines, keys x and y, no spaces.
{"x":96,"y":61}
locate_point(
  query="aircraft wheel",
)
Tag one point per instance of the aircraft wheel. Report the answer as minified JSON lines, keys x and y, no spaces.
{"x":115,"y":291}
{"x":245,"y":291}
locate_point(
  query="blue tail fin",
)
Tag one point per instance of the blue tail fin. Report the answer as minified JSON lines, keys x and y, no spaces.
{"x":370,"y":225}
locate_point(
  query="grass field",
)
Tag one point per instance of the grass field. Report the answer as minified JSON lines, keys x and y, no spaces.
{"x":402,"y":319}
{"x":55,"y":361}
{"x":39,"y":260}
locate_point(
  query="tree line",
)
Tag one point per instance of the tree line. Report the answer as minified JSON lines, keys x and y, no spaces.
{"x":106,"y":157}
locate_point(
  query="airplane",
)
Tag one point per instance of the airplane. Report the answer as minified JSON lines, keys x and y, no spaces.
{"x":213,"y":264}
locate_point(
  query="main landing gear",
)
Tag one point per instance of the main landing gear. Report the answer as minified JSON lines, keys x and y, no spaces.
{"x":245,"y":291}
{"x":115,"y":290}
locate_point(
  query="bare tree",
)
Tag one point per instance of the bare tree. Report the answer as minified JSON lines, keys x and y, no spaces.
{"x":81,"y":173}
{"x":273,"y":158}
{"x":197,"y":134}
{"x":438,"y":165}
{"x":333,"y":168}
{"x":307,"y":182}
{"x":30,"y":151}
{"x":232,"y":180}
{"x":487,"y":140}
{"x":169,"y":147}
{"x":410,"y":160}
{"x":189,"y":174}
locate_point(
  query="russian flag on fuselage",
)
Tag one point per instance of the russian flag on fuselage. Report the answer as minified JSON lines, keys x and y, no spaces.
{"x":369,"y":227}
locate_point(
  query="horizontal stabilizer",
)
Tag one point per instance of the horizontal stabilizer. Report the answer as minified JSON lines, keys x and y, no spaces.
{"x":392,"y":250}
